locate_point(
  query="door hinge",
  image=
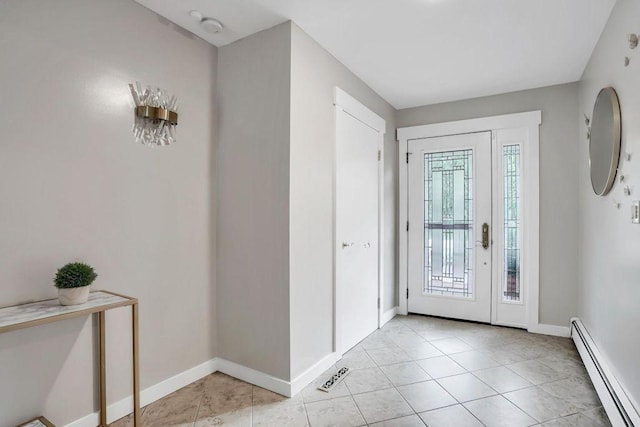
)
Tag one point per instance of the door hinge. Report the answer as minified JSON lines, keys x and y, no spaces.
{"x":379,"y":155}
{"x":407,"y":225}
{"x":407,"y":293}
{"x":407,"y":156}
{"x":378,"y":302}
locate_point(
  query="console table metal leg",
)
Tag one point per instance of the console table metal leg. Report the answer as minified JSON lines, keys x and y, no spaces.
{"x":103,"y":370}
{"x":136,"y":374}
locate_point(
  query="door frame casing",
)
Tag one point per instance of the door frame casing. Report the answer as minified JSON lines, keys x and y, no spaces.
{"x":345,"y":103}
{"x":530,"y":121}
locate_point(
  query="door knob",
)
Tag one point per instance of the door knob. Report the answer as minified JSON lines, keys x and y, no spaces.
{"x":346,"y":245}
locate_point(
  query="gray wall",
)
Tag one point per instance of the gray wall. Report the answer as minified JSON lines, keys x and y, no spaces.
{"x":609,"y":291}
{"x":275,"y":210}
{"x":558,"y":181}
{"x":253,"y":201}
{"x":314,"y":75}
{"x":76,"y":186}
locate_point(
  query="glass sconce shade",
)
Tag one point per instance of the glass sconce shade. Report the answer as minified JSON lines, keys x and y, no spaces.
{"x":156,"y":115}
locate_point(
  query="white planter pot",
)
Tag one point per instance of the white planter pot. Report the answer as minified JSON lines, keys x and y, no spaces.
{"x":73,"y":296}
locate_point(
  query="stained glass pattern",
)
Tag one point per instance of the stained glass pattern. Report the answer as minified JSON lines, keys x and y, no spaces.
{"x":448,"y":223}
{"x":511,"y":188}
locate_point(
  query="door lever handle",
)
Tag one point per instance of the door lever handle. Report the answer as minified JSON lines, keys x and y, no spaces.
{"x":347,"y":245}
{"x":485,"y":235}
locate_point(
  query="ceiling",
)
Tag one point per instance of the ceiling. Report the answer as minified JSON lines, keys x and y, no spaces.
{"x":420,"y":52}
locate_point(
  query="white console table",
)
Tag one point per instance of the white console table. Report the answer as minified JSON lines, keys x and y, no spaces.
{"x":49,"y":311}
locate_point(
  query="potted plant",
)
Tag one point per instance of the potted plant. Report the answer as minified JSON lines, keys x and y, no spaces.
{"x":73,"y":282}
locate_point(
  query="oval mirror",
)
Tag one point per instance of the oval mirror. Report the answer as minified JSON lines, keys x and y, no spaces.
{"x":604,"y":143}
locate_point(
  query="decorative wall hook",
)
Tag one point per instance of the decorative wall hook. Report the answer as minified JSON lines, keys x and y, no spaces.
{"x":616,"y":204}
{"x":633,"y":40}
{"x":627,"y":157}
{"x":621,"y":178}
{"x":587,"y":121}
{"x":626,"y":61}
{"x":627,"y":190}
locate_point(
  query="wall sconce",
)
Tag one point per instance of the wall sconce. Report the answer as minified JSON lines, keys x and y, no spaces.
{"x":155,"y":115}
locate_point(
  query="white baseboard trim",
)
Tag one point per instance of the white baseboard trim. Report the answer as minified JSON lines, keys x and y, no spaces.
{"x":620,"y":406}
{"x":254,"y":377}
{"x":555,"y":330}
{"x":388,"y":315}
{"x":123,"y":407}
{"x":305,"y":378}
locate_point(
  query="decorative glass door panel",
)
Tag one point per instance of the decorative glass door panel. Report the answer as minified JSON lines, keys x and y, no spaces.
{"x":510,"y":290}
{"x":448,"y":223}
{"x":449,"y":202}
{"x":511,"y":226}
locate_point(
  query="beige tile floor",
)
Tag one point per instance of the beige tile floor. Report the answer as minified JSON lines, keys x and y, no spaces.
{"x":415,"y":371}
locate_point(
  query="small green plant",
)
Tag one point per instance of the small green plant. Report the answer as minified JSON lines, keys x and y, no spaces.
{"x":74,"y":275}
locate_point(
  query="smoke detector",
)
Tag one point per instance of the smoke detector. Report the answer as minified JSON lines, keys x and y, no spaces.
{"x":210,"y":25}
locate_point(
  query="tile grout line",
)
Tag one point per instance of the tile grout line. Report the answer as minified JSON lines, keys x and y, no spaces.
{"x":198,"y":410}
{"x":537,"y":386}
{"x":398,"y":391}
{"x":390,"y":344}
{"x":432,"y":379}
{"x":392,"y":386}
{"x":435,"y":379}
{"x":525,"y":412}
{"x":304,"y":406}
{"x":462,"y":403}
{"x":355,"y":402}
{"x":479,"y":379}
{"x":459,"y":403}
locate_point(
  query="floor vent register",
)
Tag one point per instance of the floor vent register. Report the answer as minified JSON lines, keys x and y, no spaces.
{"x":334,"y":380}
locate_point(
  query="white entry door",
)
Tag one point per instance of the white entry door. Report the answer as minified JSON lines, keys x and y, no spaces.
{"x":449,"y":247}
{"x":469,"y":193}
{"x":358,"y":141}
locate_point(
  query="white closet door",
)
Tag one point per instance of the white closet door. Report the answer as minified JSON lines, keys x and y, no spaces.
{"x":357,"y":214}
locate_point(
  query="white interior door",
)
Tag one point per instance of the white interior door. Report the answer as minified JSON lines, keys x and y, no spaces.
{"x":356,"y":229}
{"x":449,"y":239}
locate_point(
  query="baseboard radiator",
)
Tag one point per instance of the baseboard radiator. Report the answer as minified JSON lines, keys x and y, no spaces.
{"x":619,"y":407}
